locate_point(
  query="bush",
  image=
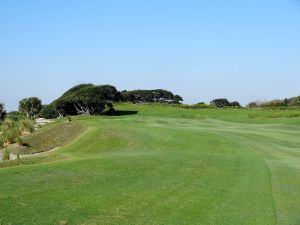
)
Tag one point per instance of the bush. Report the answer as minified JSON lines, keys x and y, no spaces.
{"x":7,"y":125}
{"x":294,"y":101}
{"x":109,"y":109}
{"x":6,"y":154}
{"x":27,"y":126}
{"x":200,"y":106}
{"x":10,"y":131}
{"x":48,"y":112}
{"x":10,"y":136}
{"x":274,"y":103}
{"x":150,"y":96}
{"x":220,"y":103}
{"x":3,"y":116}
{"x":69,"y":118}
{"x":19,"y":140}
{"x":223,"y":102}
{"x":16,"y":116}
{"x":252,"y":105}
{"x":1,"y":143}
{"x":235,"y":104}
{"x":2,"y":112}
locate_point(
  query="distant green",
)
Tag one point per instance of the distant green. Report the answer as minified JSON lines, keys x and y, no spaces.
{"x":163,"y":165}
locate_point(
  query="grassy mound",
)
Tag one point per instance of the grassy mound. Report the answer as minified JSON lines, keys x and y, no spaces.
{"x":49,"y":137}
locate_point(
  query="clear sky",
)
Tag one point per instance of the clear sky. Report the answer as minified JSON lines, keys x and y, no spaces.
{"x":243,"y":50}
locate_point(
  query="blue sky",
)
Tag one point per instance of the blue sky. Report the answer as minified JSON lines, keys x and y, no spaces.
{"x":243,"y":50}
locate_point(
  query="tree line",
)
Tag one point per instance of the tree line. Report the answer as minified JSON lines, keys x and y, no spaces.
{"x":150,"y":96}
{"x":89,"y":99}
{"x":287,"y":102}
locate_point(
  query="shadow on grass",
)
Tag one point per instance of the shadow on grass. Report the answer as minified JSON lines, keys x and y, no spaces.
{"x":122,"y":113}
{"x":26,"y":145}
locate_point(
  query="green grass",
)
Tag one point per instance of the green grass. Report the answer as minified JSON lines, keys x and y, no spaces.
{"x":164,"y":165}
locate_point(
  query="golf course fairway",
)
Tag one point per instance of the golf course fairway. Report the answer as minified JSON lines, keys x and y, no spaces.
{"x":162,"y":165}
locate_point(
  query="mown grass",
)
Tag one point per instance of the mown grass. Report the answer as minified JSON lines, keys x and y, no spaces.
{"x":163,"y":165}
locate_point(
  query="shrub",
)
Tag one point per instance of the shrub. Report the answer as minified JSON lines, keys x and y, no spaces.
{"x":18,"y":154}
{"x":2,"y":111}
{"x":69,"y":118}
{"x":109,"y":109}
{"x":235,"y":104}
{"x":7,"y":125}
{"x":274,"y":103}
{"x":150,"y":96}
{"x":220,"y":102}
{"x":16,"y":116}
{"x":10,"y":131}
{"x":26,"y":126}
{"x":10,"y":136}
{"x":252,"y":105}
{"x":199,"y":106}
{"x":19,"y":140}
{"x":223,"y":102}
{"x":294,"y":101}
{"x":1,"y":143}
{"x":48,"y":112}
{"x":6,"y":154}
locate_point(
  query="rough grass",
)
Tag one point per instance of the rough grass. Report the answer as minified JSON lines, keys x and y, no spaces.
{"x":163,"y":166}
{"x":282,"y":114}
{"x":49,"y":137}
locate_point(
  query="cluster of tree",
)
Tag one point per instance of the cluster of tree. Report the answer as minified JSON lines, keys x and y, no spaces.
{"x":86,"y":99}
{"x":150,"y":96}
{"x":89,"y":99}
{"x":49,"y":112}
{"x":217,"y":103}
{"x":31,"y":106}
{"x":277,"y":103}
{"x":223,"y":102}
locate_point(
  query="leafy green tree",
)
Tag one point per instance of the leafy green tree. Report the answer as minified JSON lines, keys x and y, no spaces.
{"x":86,"y":99}
{"x":31,"y":106}
{"x":252,"y":105}
{"x":235,"y":104}
{"x":48,"y":112}
{"x":177,"y":99}
{"x":220,"y":102}
{"x":2,"y":112}
{"x":295,"y":101}
{"x":151,"y":96}
{"x":285,"y":102}
{"x":223,"y":102}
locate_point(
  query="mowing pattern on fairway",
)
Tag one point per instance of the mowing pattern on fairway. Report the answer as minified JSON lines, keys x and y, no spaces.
{"x":163,"y":166}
